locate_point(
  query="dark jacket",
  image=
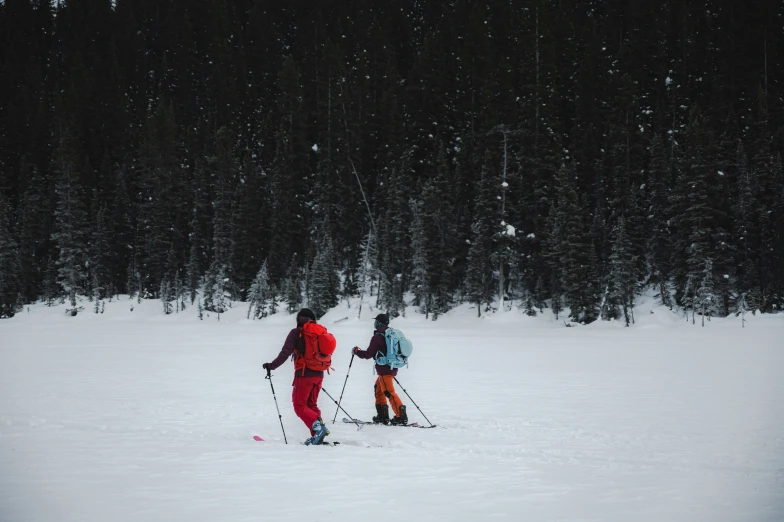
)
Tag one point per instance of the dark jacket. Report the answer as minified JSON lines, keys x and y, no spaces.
{"x":378,"y":346}
{"x":288,"y":351}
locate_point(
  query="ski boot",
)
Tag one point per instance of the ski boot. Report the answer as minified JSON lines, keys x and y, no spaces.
{"x":383,"y":414}
{"x":402,"y":420}
{"x":323,"y":424}
{"x":319,"y":432}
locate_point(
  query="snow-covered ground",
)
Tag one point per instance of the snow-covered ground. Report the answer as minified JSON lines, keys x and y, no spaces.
{"x":135,"y":416}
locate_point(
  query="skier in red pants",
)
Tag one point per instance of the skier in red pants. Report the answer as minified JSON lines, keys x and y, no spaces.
{"x":307,"y":381}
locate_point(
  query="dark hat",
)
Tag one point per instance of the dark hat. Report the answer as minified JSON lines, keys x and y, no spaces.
{"x":383,"y":319}
{"x":306,"y":312}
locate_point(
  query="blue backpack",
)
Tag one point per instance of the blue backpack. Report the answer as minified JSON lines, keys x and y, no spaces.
{"x":399,"y":349}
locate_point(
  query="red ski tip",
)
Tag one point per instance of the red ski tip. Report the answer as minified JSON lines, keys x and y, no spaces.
{"x":256,"y":437}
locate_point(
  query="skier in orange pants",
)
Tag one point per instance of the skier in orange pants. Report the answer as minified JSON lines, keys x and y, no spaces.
{"x":385,"y":383}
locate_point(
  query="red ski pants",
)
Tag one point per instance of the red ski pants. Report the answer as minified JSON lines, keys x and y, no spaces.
{"x":305,"y":397}
{"x":385,"y":389}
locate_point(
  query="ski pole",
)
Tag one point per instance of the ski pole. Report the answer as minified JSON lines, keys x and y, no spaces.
{"x":280,"y":417}
{"x":359,"y":426}
{"x":412,"y":400}
{"x":344,"y":388}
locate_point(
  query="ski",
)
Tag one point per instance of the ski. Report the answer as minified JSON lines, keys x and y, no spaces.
{"x":325,"y":443}
{"x":409,"y":425}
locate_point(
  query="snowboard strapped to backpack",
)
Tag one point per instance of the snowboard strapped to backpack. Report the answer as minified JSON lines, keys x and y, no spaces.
{"x":399,"y":349}
{"x":315,"y":346}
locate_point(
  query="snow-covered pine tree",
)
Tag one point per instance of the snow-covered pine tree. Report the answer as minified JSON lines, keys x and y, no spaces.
{"x":292,"y":286}
{"x":121,"y":231}
{"x":478,"y":287}
{"x":742,"y":308}
{"x":579,"y":277}
{"x":696,"y":220}
{"x":215,"y":289}
{"x":419,"y":273}
{"x":323,"y":282}
{"x":225,"y":166}
{"x":623,"y":278}
{"x":96,"y":294}
{"x":70,"y":225}
{"x":706,"y":292}
{"x":437,"y":210}
{"x":166,"y":293}
{"x":259,"y":293}
{"x":101,"y":257}
{"x":130,"y":287}
{"x":503,"y":250}
{"x":394,"y":239}
{"x":659,"y":245}
{"x":365,"y":272}
{"x":554,"y":247}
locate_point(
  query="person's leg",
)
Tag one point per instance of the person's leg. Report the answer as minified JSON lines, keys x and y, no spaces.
{"x":382,"y":410}
{"x":313,"y":396}
{"x":379,"y":391}
{"x":299,"y":397}
{"x":388,"y":387}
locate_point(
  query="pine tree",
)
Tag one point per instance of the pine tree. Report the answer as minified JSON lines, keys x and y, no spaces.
{"x":292,"y":286}
{"x":121,"y":226}
{"x":478,"y":284}
{"x":166,"y":293}
{"x":180,"y":293}
{"x":659,"y":244}
{"x":96,"y":294}
{"x":419,"y":274}
{"x":51,"y":289}
{"x":323,"y":282}
{"x":706,"y":293}
{"x":623,"y":281}
{"x":579,"y":279}
{"x":696,"y":219}
{"x":437,"y":207}
{"x":259,"y":293}
{"x":100,"y":258}
{"x":70,"y":229}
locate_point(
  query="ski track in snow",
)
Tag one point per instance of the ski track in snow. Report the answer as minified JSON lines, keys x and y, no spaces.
{"x":136,"y":416}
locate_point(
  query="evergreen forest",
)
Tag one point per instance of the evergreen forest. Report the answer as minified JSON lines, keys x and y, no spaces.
{"x":526,"y":154}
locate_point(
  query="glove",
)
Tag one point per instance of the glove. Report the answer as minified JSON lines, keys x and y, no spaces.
{"x":265,"y":366}
{"x":354,"y":350}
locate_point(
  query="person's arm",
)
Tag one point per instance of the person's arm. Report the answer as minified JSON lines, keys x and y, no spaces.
{"x":286,"y":351}
{"x":377,"y":344}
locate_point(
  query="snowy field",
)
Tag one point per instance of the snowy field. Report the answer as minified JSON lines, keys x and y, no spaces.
{"x":142,"y":417}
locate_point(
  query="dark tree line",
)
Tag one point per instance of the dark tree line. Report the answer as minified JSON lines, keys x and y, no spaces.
{"x":551,"y":153}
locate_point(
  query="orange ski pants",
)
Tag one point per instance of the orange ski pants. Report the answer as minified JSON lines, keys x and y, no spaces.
{"x":385,"y":389}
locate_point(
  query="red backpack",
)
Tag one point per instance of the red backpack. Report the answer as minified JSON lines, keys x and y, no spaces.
{"x":315,"y":347}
